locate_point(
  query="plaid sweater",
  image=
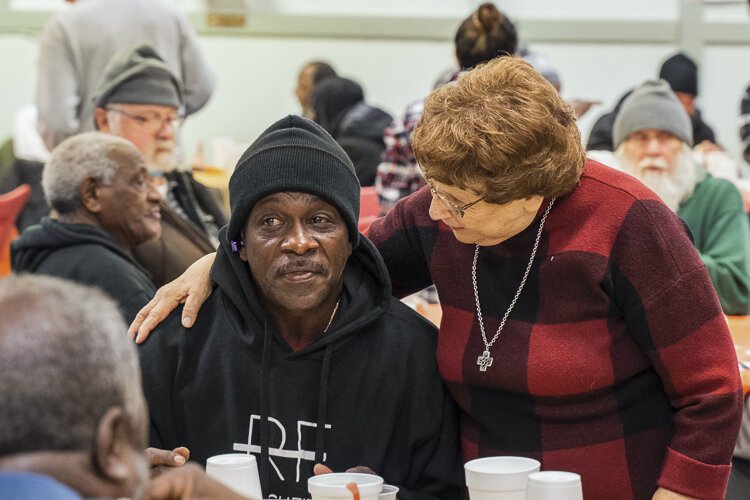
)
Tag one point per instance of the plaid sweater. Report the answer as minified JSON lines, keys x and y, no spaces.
{"x":616,"y":362}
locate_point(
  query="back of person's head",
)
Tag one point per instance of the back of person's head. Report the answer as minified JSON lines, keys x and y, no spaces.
{"x":320,"y":71}
{"x":332,"y":98}
{"x":309,"y":77}
{"x":70,"y":385}
{"x":484,"y":35}
{"x":681,"y":73}
{"x":501,"y":130}
{"x":91,"y":154}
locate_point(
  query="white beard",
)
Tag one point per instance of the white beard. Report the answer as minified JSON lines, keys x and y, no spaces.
{"x":673,"y":185}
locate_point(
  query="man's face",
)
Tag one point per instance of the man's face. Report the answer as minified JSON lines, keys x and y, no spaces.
{"x":652,"y":150}
{"x":296,"y":246}
{"x":305,"y":86}
{"x":130,"y":204}
{"x":662,"y":162}
{"x":687,"y":101}
{"x":150,"y":127}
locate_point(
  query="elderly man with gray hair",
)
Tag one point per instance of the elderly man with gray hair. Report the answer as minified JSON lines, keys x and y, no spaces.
{"x":99,"y":186}
{"x":73,"y":420}
{"x":653,"y":136}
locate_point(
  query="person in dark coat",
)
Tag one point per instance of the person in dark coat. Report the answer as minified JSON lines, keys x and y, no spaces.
{"x":99,"y":186}
{"x":339,"y":106}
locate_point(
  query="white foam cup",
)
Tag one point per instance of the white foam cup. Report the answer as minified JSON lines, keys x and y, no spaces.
{"x":238,"y":471}
{"x":388,"y":492}
{"x":554,"y":485}
{"x":499,"y":478}
{"x":333,"y":486}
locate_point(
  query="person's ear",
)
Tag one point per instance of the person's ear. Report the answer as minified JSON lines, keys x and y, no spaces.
{"x":89,"y":192}
{"x":112,"y":449}
{"x":242,"y":251}
{"x":101,"y":121}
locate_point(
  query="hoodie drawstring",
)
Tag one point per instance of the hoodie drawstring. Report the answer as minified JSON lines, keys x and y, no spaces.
{"x":264,"y":437}
{"x":320,"y":435}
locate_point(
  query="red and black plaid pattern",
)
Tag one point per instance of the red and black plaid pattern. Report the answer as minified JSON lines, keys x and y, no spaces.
{"x":616,"y":362}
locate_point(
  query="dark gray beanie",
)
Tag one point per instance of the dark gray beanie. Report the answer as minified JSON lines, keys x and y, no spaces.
{"x":652,"y":105}
{"x":294,"y":154}
{"x":138,"y":76}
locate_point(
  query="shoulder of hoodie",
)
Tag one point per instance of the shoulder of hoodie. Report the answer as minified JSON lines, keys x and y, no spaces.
{"x":407,"y":325}
{"x":171,"y":335}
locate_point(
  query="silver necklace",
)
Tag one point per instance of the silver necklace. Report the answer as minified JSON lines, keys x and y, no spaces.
{"x":485,"y":360}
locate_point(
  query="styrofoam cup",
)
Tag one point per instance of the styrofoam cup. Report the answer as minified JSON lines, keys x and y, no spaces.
{"x":388,"y":492}
{"x":499,"y":478}
{"x":238,"y":471}
{"x":333,"y":486}
{"x":554,"y":485}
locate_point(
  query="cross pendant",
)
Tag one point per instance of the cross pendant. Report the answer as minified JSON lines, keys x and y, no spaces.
{"x":484,"y":361}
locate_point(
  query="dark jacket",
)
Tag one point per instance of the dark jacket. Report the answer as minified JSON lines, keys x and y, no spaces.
{"x":360,"y":134}
{"x":366,"y":393}
{"x":84,"y":254}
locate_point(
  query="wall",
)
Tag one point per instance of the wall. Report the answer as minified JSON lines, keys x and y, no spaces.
{"x":600,"y":47}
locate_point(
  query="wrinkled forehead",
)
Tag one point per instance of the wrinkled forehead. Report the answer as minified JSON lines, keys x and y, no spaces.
{"x":296,"y":200}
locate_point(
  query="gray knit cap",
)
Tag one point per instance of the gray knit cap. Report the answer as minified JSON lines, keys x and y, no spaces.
{"x":138,"y":76}
{"x":294,"y":154}
{"x":652,"y":105}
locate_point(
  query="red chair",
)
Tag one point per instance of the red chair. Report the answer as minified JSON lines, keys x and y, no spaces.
{"x":369,"y":207}
{"x":11,"y":205}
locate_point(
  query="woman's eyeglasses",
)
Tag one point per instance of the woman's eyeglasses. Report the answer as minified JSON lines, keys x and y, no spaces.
{"x":454,"y":207}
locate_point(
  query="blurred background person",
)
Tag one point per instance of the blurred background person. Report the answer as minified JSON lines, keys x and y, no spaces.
{"x":485,"y":34}
{"x":338,"y":105}
{"x":309,"y":76}
{"x":73,"y":54}
{"x":653,"y":135}
{"x":98,"y":185}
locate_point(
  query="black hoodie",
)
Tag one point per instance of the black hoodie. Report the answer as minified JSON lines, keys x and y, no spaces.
{"x":84,"y":254}
{"x":232,"y":384}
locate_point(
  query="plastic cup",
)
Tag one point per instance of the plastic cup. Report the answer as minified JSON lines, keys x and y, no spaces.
{"x":388,"y":492}
{"x":237,"y":471}
{"x":499,"y":478}
{"x":333,"y":486}
{"x":554,"y":485}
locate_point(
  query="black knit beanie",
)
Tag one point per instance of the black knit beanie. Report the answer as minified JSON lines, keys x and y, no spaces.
{"x":681,"y":73}
{"x":294,"y":154}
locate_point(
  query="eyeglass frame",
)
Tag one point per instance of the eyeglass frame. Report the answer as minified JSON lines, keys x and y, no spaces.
{"x":175,"y":122}
{"x":457,"y":209}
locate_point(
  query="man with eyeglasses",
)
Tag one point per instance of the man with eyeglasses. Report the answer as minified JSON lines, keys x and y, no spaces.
{"x":141,"y":100}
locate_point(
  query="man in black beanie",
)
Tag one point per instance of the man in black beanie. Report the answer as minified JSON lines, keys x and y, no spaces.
{"x":301,"y":354}
{"x":681,"y":73}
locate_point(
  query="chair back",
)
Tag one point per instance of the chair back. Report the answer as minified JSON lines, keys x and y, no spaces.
{"x":369,"y":207}
{"x":11,"y":204}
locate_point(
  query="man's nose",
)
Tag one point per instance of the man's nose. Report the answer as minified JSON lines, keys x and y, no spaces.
{"x":153,"y":194}
{"x":653,"y":146}
{"x":299,"y":240}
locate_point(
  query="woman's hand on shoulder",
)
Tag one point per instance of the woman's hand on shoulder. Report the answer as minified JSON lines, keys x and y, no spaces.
{"x":192,"y":288}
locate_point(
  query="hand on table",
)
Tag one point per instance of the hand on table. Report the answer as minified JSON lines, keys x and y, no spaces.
{"x":324,"y":469}
{"x":161,"y":460}
{"x":189,"y":482}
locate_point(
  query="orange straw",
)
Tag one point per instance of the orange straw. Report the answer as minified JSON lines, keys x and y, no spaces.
{"x":354,"y":489}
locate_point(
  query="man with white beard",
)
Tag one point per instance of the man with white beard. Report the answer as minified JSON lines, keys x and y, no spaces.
{"x":653,"y":138}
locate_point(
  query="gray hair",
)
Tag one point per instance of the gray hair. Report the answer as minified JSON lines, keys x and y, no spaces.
{"x":84,"y":155}
{"x":65,"y":358}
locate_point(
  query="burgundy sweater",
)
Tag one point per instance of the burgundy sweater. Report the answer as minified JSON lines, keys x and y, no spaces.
{"x":616,"y":362}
